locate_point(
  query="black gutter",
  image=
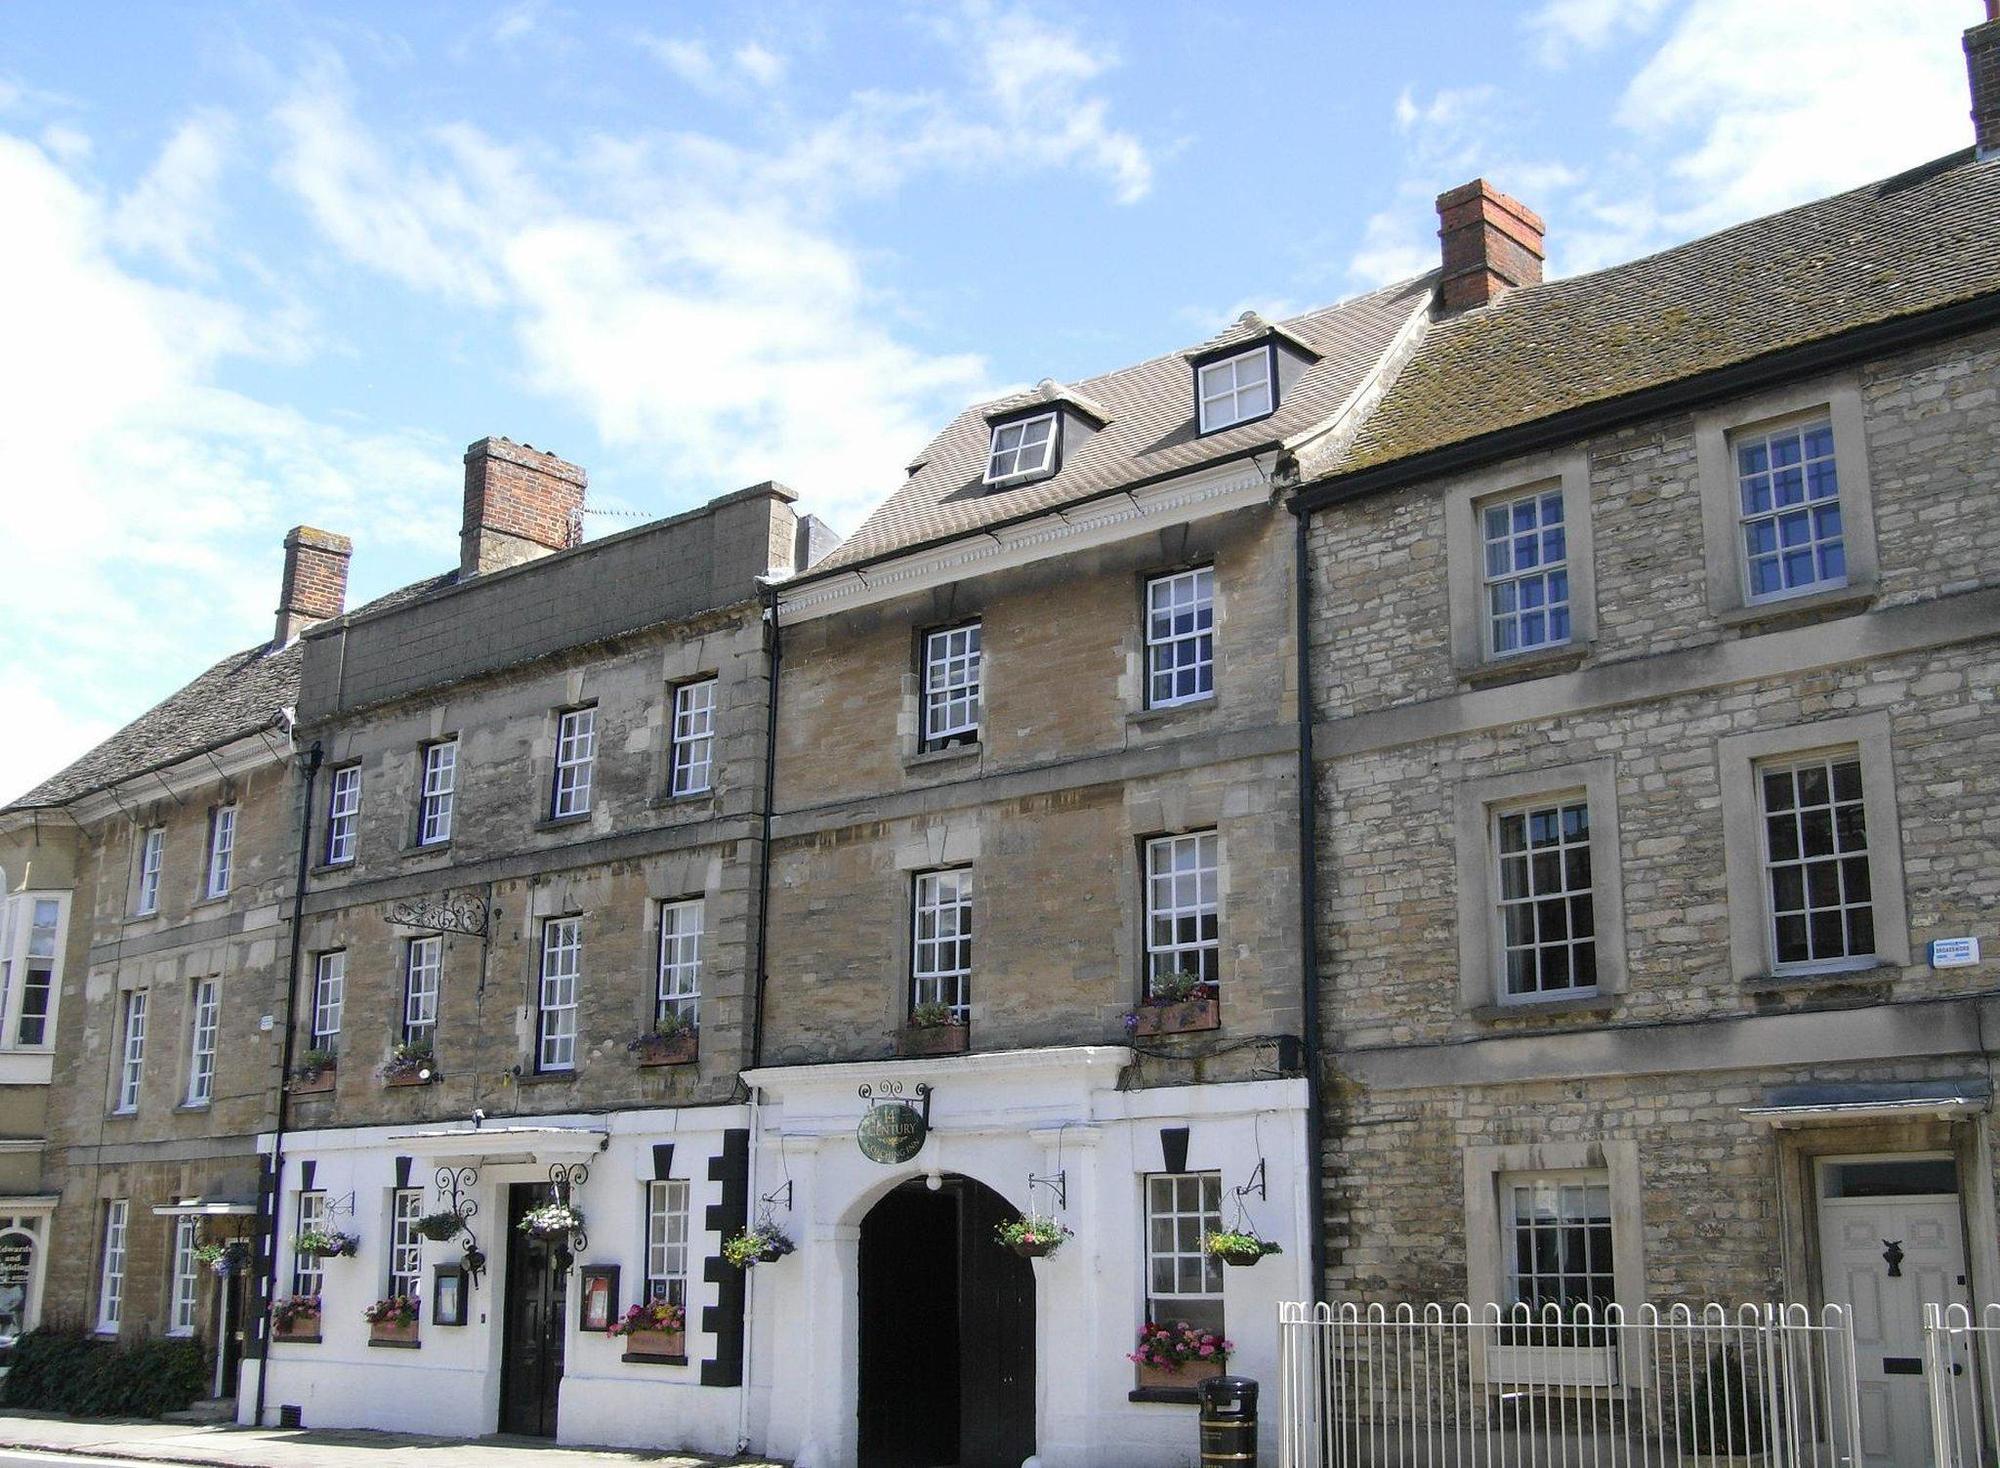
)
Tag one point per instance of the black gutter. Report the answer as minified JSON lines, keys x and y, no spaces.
{"x":775,"y":654}
{"x":1559,"y":429}
{"x":277,"y":1174}
{"x":1309,"y":913}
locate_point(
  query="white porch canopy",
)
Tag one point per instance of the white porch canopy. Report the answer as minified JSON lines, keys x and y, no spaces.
{"x":497,"y":1146}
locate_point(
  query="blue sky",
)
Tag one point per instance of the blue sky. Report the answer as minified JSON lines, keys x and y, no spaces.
{"x":279,"y":263}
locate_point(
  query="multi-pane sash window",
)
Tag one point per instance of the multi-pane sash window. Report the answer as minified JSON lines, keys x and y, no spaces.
{"x":204,"y":1011}
{"x":941,"y":952}
{"x":111,"y":1268}
{"x":562,"y":968}
{"x":1548,"y":929}
{"x":329,"y":998}
{"x":423,"y":969}
{"x":1183,"y":1280}
{"x":951,"y":686}
{"x":38,"y":969}
{"x":694,"y":737}
{"x":1180,"y":637}
{"x":152,"y":853}
{"x":1026,"y":447}
{"x":1183,"y":914}
{"x":667,"y":1240}
{"x":434,"y":804}
{"x":1559,"y":1244}
{"x":1816,"y":860}
{"x":309,"y":1270}
{"x":343,"y":814}
{"x":679,"y":991}
{"x":187,"y":1277}
{"x":576,"y":758}
{"x":1526,"y":572}
{"x":1236,"y":390}
{"x":132,"y":1057}
{"x":406,"y":1245}
{"x":221,"y":851}
{"x":1788,"y":502}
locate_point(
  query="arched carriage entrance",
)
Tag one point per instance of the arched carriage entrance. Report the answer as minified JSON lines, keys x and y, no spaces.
{"x":947,"y":1332}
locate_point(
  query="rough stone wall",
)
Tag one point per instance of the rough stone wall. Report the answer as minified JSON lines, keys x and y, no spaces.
{"x":1666,"y":679}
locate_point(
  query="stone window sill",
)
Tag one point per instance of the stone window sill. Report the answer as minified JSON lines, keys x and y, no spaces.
{"x":435,"y":848}
{"x":1528,"y":1008}
{"x":651,"y":1360}
{"x":331,"y":868}
{"x":563,"y":823}
{"x":1192,"y":711}
{"x":708,"y":802}
{"x":396,"y":1345}
{"x":219,"y":900}
{"x":548,"y":1077}
{"x":295,"y":1340}
{"x":1871,"y":973}
{"x":1172,"y":1396}
{"x":1836,"y":602}
{"x":1517,"y":669}
{"x":194,"y":1106}
{"x":950,"y":754}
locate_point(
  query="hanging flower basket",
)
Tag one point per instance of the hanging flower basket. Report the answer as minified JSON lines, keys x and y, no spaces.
{"x":1175,"y":1004}
{"x":764,"y":1244}
{"x":325,"y":1243}
{"x":1178,"y":1355}
{"x":438,"y":1227}
{"x":224,"y":1259}
{"x":1240,"y":1249}
{"x":1033,"y":1237}
{"x":552,"y":1221}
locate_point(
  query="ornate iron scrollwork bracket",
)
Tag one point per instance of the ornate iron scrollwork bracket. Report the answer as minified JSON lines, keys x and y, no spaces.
{"x":565,"y":1178}
{"x":454,"y":1189}
{"x":919,"y":1099}
{"x":443,"y":914}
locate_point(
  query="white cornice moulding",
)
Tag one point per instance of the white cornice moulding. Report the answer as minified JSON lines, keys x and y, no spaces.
{"x":1111,"y":517}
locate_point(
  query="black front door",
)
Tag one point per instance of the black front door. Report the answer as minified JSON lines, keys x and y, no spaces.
{"x":947,"y":1333}
{"x":531,"y":1343}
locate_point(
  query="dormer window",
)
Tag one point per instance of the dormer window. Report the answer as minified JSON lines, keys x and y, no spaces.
{"x":1024,"y":447}
{"x":1235,"y":389}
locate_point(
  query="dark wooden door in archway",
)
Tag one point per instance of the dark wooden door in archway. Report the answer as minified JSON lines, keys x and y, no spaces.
{"x":531,"y":1342}
{"x":947,"y":1332}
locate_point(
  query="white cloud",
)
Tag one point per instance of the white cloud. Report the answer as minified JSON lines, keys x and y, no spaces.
{"x":749,"y":67}
{"x":762,"y":66}
{"x":172,"y":211}
{"x":1562,"y":28}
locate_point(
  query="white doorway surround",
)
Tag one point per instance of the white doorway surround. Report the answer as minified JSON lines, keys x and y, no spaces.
{"x":1892,"y":1241}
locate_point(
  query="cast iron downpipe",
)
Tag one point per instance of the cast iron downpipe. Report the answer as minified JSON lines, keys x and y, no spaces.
{"x":777,"y":656}
{"x":1309,"y":905}
{"x":313,"y":758}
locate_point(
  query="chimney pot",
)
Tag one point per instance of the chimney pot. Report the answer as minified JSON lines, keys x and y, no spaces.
{"x":520,"y":503}
{"x":1491,"y":244}
{"x":1982,"y":66}
{"x":315,"y":584}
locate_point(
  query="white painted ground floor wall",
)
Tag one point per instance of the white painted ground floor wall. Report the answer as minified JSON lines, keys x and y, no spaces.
{"x":1000,"y":1118}
{"x":995,"y":1118}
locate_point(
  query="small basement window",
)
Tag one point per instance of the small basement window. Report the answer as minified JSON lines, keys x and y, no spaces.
{"x":1023,"y":447}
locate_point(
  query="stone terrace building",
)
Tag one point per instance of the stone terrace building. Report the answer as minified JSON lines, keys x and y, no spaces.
{"x":142,"y":959}
{"x":1655,"y":629}
{"x":536,"y":835}
{"x":1037,"y":754}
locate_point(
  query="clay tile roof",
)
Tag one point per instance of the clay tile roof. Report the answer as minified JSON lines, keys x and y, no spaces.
{"x":1148,"y":413}
{"x":1923,"y":239}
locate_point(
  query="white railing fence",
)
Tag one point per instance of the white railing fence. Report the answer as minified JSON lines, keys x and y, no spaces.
{"x":1448,"y":1386}
{"x":1962,"y":1367}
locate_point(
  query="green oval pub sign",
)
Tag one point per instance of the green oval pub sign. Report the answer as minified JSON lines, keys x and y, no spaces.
{"x":891,"y":1132}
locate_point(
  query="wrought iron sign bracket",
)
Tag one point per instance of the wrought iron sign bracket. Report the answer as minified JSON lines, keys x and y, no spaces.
{"x":778,"y":1198}
{"x":875,"y":1092}
{"x":462,"y":914}
{"x":454,"y":1187}
{"x":1257,"y":1184}
{"x":564,"y":1180}
{"x":1056,"y":1182}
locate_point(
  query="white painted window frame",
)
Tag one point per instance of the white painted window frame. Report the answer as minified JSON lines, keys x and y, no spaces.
{"x":1461,"y":503}
{"x":132,"y":1052}
{"x":667,"y":1240}
{"x":204,"y":1026}
{"x":941,"y":940}
{"x":31,"y":965}
{"x":682,"y":937}
{"x":1516,"y":577}
{"x":111,"y":1265}
{"x":576,"y":763}
{"x":329,"y":997}
{"x":221,"y":867}
{"x":309,"y":1270}
{"x":1526,"y":811}
{"x":1769,"y":435}
{"x":557,"y":994}
{"x":437,"y":796}
{"x":185,"y":1296}
{"x":152,"y":861}
{"x":1017,"y":451}
{"x":1213,"y":389}
{"x":406,"y":1245}
{"x":423,"y":981}
{"x":1826,"y":760}
{"x":343,"y":815}
{"x":693,"y":761}
{"x":953,"y":684}
{"x":1170,"y":597}
{"x":1184,"y":883}
{"x":1166,"y":1200}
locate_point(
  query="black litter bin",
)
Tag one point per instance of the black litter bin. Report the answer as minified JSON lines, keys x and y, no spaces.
{"x":1229,"y":1421}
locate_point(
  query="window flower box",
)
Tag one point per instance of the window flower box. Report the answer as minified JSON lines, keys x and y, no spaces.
{"x":1178,"y":1355}
{"x":1180,"y":1378}
{"x":392,"y":1333}
{"x":1187,"y":1016}
{"x":662,"y":1047}
{"x":942,"y":1039}
{"x":410,"y":1064}
{"x":656,"y":1345}
{"x":317,"y":1072}
{"x":295,"y":1318}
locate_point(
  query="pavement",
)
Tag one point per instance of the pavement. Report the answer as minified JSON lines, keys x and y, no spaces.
{"x":225,"y":1446}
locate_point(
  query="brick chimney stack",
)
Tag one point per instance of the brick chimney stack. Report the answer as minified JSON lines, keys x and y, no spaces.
{"x":315,"y":584}
{"x":520,"y":503}
{"x":1491,"y":244}
{"x":1982,"y":64}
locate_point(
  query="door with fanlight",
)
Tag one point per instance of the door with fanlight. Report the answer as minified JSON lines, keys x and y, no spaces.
{"x":1891,"y":1242}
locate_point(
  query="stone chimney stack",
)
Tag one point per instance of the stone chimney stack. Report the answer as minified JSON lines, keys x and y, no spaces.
{"x":315,"y":584}
{"x":520,"y":503}
{"x":1491,"y":245}
{"x":1982,"y":64}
